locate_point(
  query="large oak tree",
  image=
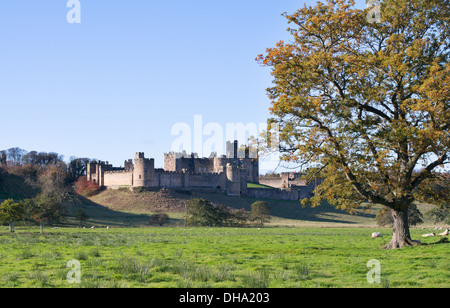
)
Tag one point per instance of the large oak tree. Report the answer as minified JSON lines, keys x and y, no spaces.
{"x":366,"y":103}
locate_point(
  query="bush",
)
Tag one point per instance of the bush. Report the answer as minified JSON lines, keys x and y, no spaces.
{"x":11,"y":212}
{"x":201,"y":212}
{"x":86,"y":188}
{"x":159,"y":219}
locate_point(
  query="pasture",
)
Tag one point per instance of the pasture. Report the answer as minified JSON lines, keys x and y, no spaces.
{"x":178,"y":257}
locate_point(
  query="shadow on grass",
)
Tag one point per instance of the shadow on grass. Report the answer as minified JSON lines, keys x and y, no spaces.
{"x":442,"y":240}
{"x":294,"y":210}
{"x":102,"y":216}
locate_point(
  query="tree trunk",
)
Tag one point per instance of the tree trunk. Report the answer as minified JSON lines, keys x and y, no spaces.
{"x":401,"y":236}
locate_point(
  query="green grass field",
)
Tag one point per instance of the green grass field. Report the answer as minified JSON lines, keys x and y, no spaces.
{"x":255,"y":185}
{"x":301,"y":247}
{"x":217,"y":258}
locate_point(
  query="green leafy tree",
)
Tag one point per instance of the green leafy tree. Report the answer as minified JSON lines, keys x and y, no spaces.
{"x":11,"y":212}
{"x":81,"y":216}
{"x":200,"y":212}
{"x":366,"y":103}
{"x":260,"y":212}
{"x":238,"y":218}
{"x":50,"y":209}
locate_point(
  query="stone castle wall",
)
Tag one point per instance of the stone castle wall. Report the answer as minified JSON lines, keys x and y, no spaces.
{"x":143,"y":174}
{"x":118,"y":178}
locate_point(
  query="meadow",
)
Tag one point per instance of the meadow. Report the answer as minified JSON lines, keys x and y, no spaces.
{"x":178,"y":257}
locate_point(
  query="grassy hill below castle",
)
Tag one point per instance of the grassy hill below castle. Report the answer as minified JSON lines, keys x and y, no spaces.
{"x":138,"y":205}
{"x":132,"y":209}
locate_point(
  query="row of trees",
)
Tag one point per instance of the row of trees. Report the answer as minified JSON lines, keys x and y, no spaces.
{"x":39,"y":210}
{"x":19,"y":157}
{"x":18,"y":160}
{"x":201,"y":212}
{"x":36,"y":211}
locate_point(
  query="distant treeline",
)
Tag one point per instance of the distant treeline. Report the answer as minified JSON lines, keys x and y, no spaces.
{"x":17,"y":157}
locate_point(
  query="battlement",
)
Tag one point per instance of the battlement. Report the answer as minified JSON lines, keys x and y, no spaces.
{"x":214,"y":164}
{"x":181,"y":170}
{"x":117,"y":171}
{"x":139,"y":155}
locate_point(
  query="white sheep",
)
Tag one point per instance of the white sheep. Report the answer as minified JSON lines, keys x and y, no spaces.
{"x":445,"y":233}
{"x":429,"y":235}
{"x":376,"y":234}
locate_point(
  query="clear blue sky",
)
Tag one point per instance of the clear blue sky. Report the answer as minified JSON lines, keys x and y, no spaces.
{"x":117,"y":82}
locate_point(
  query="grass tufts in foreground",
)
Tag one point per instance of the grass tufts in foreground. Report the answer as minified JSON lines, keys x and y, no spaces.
{"x":217,"y":257}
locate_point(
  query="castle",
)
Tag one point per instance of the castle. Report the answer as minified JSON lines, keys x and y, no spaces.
{"x":228,"y":173}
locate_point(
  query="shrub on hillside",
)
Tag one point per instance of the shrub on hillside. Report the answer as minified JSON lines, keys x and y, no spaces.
{"x":202,"y":213}
{"x":159,"y":219}
{"x":86,"y":188}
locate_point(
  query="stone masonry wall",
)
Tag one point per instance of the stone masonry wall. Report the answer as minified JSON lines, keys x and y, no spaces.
{"x":118,"y":178}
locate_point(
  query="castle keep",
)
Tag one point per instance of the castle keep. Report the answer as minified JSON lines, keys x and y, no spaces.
{"x":229,"y":173}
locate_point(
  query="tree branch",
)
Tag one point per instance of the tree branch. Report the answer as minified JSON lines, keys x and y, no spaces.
{"x":427,"y":171}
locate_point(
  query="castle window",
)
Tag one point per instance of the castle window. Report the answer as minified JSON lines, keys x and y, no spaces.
{"x":140,"y":176}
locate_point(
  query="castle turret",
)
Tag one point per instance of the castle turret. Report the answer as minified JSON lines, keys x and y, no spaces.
{"x":233,"y":180}
{"x":144,"y":171}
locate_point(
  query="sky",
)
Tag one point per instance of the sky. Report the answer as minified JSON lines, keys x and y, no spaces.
{"x":119,"y":81}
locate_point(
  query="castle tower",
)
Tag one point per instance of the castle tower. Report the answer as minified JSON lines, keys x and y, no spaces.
{"x":233,"y":180}
{"x":95,"y":172}
{"x":144,"y":171}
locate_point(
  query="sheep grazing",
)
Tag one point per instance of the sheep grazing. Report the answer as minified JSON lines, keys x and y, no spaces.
{"x":428,"y":235}
{"x":445,"y":233}
{"x":376,"y":234}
